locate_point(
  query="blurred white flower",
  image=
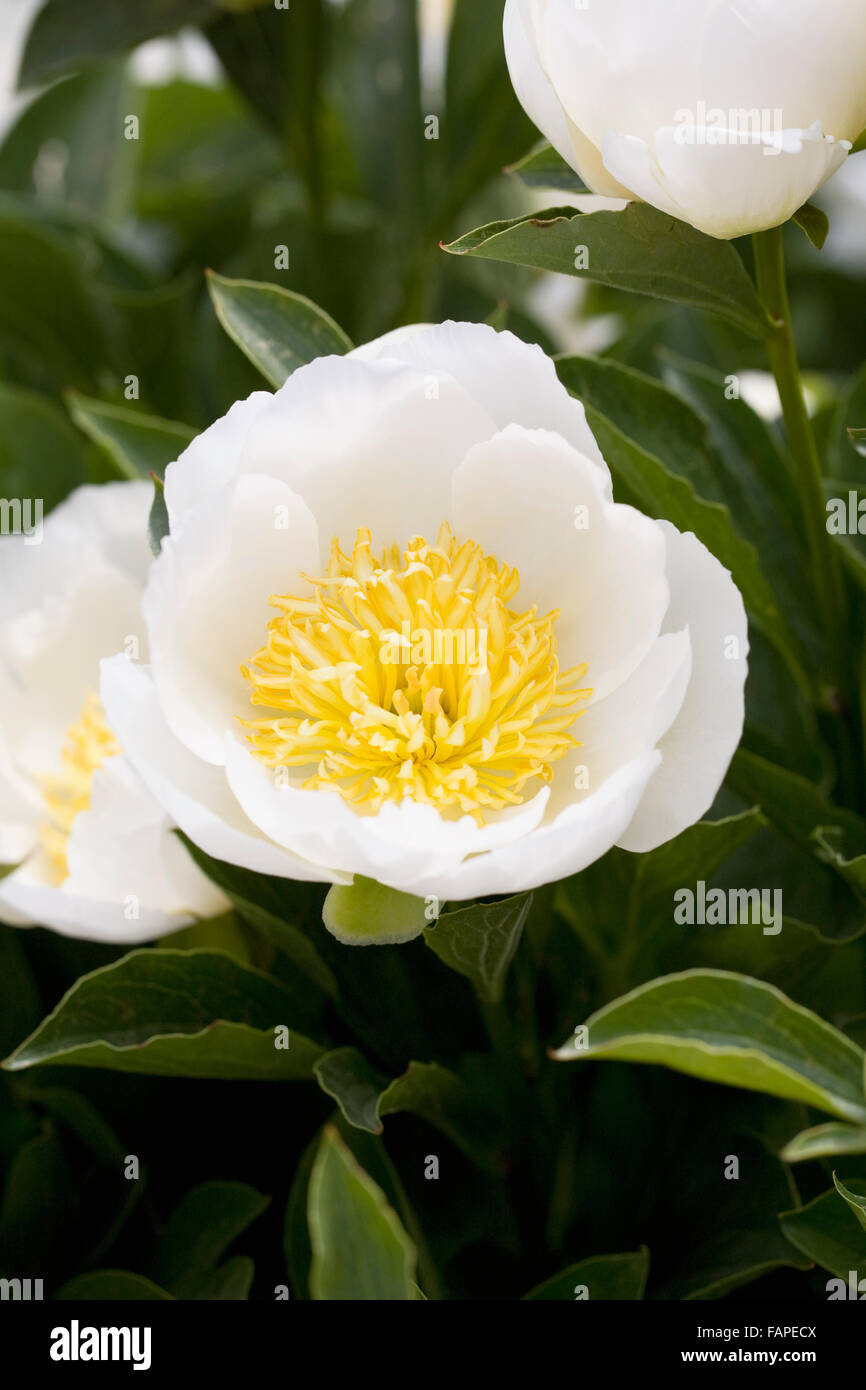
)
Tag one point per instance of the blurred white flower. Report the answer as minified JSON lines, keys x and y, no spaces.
{"x":186,"y":56}
{"x":546,"y":675}
{"x":844,"y":201}
{"x":96,"y":855}
{"x":557,"y":303}
{"x":759,"y":390}
{"x":727,"y":114}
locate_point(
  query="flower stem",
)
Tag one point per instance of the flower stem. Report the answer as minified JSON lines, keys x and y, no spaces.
{"x":825,"y":563}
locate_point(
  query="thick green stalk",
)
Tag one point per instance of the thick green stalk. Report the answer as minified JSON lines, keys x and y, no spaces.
{"x":826,"y":571}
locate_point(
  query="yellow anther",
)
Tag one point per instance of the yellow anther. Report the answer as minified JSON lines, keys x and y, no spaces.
{"x":89,"y":741}
{"x":408,"y":675}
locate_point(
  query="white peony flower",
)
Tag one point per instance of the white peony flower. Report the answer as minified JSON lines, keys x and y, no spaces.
{"x":96,"y":855}
{"x":727,"y":114}
{"x":401,"y":629}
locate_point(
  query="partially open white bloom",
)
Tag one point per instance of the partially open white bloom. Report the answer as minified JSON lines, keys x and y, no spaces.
{"x":401,"y":629}
{"x":95,"y":853}
{"x":727,"y":114}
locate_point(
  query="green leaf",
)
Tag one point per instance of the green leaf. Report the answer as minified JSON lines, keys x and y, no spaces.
{"x":21,"y":1008}
{"x":622,"y":886}
{"x":720,"y":447}
{"x":637,"y":248}
{"x":202,"y":158}
{"x":426,"y":1089}
{"x":483,"y":122}
{"x":365,"y":913}
{"x":620,"y":1277}
{"x":480,"y":941}
{"x":745,"y":446}
{"x":157,"y":521}
{"x":108,"y":1285}
{"x":696,"y":853}
{"x":356,"y":1086}
{"x":266,"y":902}
{"x":63,"y":1204}
{"x":724,"y":452}
{"x":79,"y":1116}
{"x":657,"y":419}
{"x":858,"y":439}
{"x":277,"y":329}
{"x":360,"y":1250}
{"x":68,"y":34}
{"x":240,"y":6}
{"x":223,"y":933}
{"x":377,"y":68}
{"x":140,"y":445}
{"x":856,"y":1200}
{"x":49,"y":316}
{"x":296,"y":1232}
{"x":34,"y":1204}
{"x":542,"y":167}
{"x":819,"y":908}
{"x":828,"y":1232}
{"x":825,"y":1141}
{"x":754,"y":480}
{"x":41,"y":456}
{"x":732,"y":1029}
{"x":230,"y":1283}
{"x":644,"y":479}
{"x":172,"y":1013}
{"x":201,"y":1228}
{"x":815,"y":223}
{"x":728,"y":1228}
{"x":715,"y":442}
{"x":797,"y":807}
{"x":275,"y":58}
{"x":94,"y":161}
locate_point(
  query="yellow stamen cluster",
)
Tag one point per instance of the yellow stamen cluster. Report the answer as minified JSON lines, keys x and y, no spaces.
{"x":89,"y":741}
{"x":409,"y":675}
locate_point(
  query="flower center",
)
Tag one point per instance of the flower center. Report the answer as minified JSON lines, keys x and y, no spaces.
{"x":89,"y":741}
{"x":409,"y":675}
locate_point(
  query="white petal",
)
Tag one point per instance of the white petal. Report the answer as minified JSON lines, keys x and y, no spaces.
{"x":515,"y":382}
{"x":212,"y":460}
{"x":630,"y":68}
{"x":400,"y":841}
{"x":49,"y":660}
{"x":206,"y":605}
{"x":64,"y":604}
{"x":368,"y":443}
{"x":726,"y":190}
{"x":93,"y":527}
{"x":543,"y":107}
{"x":790,"y":56}
{"x":636,"y":715}
{"x":318,"y":824}
{"x":68,"y":595}
{"x":590,"y":164}
{"x":21,"y":805}
{"x":194,"y":793}
{"x":699,"y":746}
{"x":582,"y":833}
{"x":111,"y":520}
{"x":518,"y":496}
{"x":28,"y":899}
{"x":530,"y":82}
{"x":628,"y":723}
{"x":624,"y":66}
{"x":18,"y":826}
{"x":123,"y":850}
